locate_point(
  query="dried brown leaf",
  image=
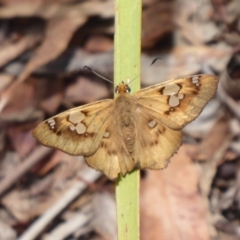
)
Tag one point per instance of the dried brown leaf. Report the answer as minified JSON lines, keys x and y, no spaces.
{"x":9,"y":51}
{"x":171,"y":205}
{"x":214,"y":139}
{"x":104,"y":221}
{"x":7,"y":232}
{"x":5,"y":81}
{"x":157,"y":22}
{"x":16,"y":172}
{"x":85,"y":90}
{"x":33,"y":200}
{"x":184,"y":61}
{"x":17,"y":101}
{"x":98,"y":43}
{"x":58,"y":35}
{"x":58,"y":10}
{"x":22,"y":140}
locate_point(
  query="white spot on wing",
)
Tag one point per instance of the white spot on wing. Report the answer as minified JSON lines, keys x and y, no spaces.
{"x":195,"y":80}
{"x":152,"y":124}
{"x":51,"y":122}
{"x":171,"y":89}
{"x":76,"y":118}
{"x":81,"y":128}
{"x":173,"y":101}
{"x":72,"y":128}
{"x":106,"y":134}
{"x":180,"y":96}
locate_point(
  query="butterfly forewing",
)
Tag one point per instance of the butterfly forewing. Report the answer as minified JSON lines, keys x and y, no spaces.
{"x":178,"y":102}
{"x":77,"y":131}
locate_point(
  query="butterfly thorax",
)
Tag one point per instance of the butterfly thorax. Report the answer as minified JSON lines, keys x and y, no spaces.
{"x":124,"y":109}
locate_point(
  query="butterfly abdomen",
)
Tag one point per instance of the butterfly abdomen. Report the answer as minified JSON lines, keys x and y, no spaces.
{"x":129,"y":137}
{"x":126,"y":119}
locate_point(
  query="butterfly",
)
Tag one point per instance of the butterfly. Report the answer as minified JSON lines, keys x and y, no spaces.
{"x":132,"y":131}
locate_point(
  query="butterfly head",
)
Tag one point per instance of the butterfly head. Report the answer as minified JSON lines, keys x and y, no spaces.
{"x":122,"y":88}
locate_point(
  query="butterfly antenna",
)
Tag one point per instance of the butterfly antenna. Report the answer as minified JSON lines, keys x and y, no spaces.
{"x":86,"y":67}
{"x":145,"y":69}
{"x":154,"y":61}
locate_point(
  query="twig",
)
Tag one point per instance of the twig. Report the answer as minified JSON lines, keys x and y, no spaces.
{"x":35,"y":229}
{"x":19,"y":171}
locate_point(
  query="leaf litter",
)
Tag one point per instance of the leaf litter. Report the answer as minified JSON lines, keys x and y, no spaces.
{"x":46,"y":194}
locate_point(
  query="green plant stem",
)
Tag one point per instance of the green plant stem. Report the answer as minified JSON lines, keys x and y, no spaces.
{"x":127,"y":46}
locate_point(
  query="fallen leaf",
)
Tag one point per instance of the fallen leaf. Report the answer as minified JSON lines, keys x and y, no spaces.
{"x":171,"y":205}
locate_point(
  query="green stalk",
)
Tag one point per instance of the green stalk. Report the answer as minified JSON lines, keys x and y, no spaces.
{"x":127,"y":45}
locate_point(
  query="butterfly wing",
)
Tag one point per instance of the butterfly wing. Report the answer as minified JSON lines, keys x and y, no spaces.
{"x":155,"y":143}
{"x":178,"y":102}
{"x":158,"y":113}
{"x":77,"y":131}
{"x":139,"y":131}
{"x":112,"y":156}
{"x":114,"y":153}
{"x":133,"y":139}
{"x":163,"y":110}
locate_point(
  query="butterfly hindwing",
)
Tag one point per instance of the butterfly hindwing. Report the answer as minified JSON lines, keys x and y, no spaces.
{"x":112,"y":156}
{"x":114,"y":153}
{"x":155,"y":143}
{"x":136,"y":140}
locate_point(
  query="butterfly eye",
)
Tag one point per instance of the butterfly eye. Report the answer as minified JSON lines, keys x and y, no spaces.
{"x":128,"y":90}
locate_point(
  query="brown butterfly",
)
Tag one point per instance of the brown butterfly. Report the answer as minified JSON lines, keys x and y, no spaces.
{"x":142,"y":130}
